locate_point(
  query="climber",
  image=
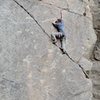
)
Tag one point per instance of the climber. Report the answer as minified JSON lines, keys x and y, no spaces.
{"x":60,"y":35}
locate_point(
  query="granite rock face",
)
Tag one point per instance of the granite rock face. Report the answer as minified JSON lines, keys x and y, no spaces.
{"x":95,"y":72}
{"x":95,"y":76}
{"x":95,"y":6}
{"x":97,"y":51}
{"x":31,"y":67}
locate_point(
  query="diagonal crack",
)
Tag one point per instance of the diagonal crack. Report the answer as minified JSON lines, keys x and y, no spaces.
{"x":67,"y":4}
{"x":66,"y":9}
{"x":86,"y":75}
{"x":31,"y":17}
{"x":8,"y":80}
{"x":79,"y":93}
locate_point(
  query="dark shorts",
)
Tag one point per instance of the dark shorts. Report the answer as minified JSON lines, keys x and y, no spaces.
{"x":60,"y":36}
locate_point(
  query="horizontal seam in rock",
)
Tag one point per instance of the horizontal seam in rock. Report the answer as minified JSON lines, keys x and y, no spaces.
{"x":67,"y":9}
{"x":97,"y":29}
{"x":49,"y":36}
{"x":11,"y":81}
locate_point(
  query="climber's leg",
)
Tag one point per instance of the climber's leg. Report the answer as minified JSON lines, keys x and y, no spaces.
{"x":63,"y":44}
{"x":54,"y":37}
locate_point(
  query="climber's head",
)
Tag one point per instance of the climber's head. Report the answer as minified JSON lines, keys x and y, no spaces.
{"x":59,"y":20}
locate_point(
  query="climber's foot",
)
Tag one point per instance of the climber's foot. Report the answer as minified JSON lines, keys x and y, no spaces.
{"x":63,"y":51}
{"x":54,"y":41}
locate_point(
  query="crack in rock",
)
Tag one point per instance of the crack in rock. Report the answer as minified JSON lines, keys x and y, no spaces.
{"x":67,"y":9}
{"x":8,"y":80}
{"x":31,"y":16}
{"x":86,"y":75}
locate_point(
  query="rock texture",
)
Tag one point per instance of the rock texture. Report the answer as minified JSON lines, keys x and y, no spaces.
{"x":31,"y":67}
{"x":96,"y":23}
{"x":95,"y":72}
{"x":95,"y":76}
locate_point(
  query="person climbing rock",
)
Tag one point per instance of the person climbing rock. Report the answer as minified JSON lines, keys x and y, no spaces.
{"x":60,"y":35}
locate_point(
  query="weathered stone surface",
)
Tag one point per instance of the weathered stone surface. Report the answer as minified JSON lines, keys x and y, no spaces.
{"x":79,"y":29}
{"x":95,"y":6}
{"x":86,"y":64}
{"x":95,"y":76}
{"x":32,"y":68}
{"x":97,"y":51}
{"x":95,"y":73}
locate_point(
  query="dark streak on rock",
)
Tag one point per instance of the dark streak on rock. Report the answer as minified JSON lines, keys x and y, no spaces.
{"x":8,"y":80}
{"x":31,"y":16}
{"x":67,"y":9}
